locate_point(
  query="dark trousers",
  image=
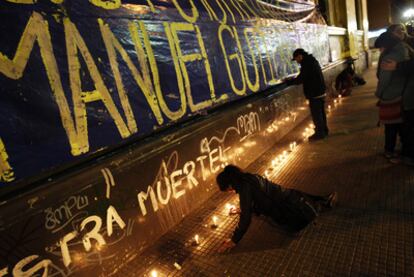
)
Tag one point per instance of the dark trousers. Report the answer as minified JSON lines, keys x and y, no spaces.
{"x":391,"y":132}
{"x":317,"y":108}
{"x":408,"y":134}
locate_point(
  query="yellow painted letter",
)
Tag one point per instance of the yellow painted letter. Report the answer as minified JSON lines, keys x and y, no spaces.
{"x":139,"y":48}
{"x":74,"y":41}
{"x":142,"y":79}
{"x":6,"y":171}
{"x":233,"y":56}
{"x":175,"y":28}
{"x":107,"y":4}
{"x":194,"y":10}
{"x":37,"y":30}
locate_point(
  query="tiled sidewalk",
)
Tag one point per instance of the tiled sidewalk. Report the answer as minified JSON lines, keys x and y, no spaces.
{"x":370,"y":233}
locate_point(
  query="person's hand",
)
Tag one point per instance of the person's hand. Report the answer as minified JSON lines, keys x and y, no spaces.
{"x":226,"y":246}
{"x":388,"y":65}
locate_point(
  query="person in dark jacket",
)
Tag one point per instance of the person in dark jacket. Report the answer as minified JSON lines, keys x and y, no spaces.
{"x":405,"y":68}
{"x":288,"y":207}
{"x":391,"y":85}
{"x":314,"y":89}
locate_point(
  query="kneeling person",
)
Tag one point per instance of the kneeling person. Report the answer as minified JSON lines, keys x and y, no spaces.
{"x":291,"y":208}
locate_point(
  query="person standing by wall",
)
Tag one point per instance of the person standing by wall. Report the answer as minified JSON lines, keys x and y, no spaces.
{"x":314,"y":89}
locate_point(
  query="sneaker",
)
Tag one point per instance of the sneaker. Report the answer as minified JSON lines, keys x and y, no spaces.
{"x":332,"y":199}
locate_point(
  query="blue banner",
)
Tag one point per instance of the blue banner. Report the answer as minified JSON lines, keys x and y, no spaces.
{"x":78,"y":77}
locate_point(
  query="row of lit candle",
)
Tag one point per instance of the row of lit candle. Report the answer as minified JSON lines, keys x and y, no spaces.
{"x":335,"y":101}
{"x":280,"y":159}
{"x":274,"y":126}
{"x":292,"y":146}
{"x":196,"y":239}
{"x":276,"y":162}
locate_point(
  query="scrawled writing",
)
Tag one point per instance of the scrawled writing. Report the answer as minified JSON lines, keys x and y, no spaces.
{"x":172,"y":181}
{"x":71,"y":211}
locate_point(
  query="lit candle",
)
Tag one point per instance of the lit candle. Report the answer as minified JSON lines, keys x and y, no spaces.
{"x":306,"y":129}
{"x":335,"y":101}
{"x":215,"y":221}
{"x":274,"y":162}
{"x":286,"y":118}
{"x":329,"y":107}
{"x":77,"y":258}
{"x":154,"y":273}
{"x":291,"y":146}
{"x":230,"y":208}
{"x":267,"y":173}
{"x":304,"y":134}
{"x":196,"y":239}
{"x":285,"y":153}
{"x":339,"y":96}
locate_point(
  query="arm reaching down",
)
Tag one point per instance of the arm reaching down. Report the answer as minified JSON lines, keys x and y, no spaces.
{"x":245,"y":195}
